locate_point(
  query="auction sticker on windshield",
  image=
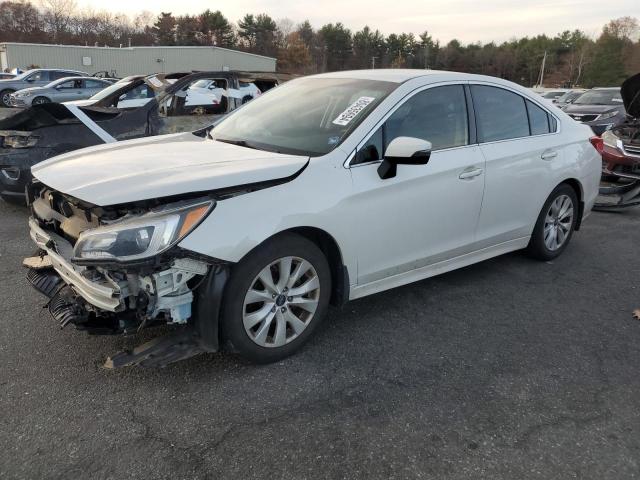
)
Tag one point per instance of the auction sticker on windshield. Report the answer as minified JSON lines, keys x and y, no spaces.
{"x":353,"y":110}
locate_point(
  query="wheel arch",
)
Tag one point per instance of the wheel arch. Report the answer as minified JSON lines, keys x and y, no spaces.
{"x":329,"y":246}
{"x":577,"y":188}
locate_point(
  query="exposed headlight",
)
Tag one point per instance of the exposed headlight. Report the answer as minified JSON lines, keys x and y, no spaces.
{"x":17,"y":140}
{"x":142,"y":236}
{"x":609,"y":139}
{"x":604,"y":116}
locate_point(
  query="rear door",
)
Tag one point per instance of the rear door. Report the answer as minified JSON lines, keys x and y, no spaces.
{"x":519,"y":142}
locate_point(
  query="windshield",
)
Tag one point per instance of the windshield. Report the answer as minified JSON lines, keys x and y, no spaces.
{"x":309,"y":116}
{"x":569,"y":97}
{"x":599,"y":97}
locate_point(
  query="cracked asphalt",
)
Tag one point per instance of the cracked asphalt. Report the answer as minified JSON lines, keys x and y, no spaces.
{"x":509,"y":369}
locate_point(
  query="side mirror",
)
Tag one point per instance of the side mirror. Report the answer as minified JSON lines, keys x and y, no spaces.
{"x":30,"y":79}
{"x":404,"y":151}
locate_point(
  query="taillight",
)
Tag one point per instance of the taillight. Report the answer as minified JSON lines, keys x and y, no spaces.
{"x":597,"y":143}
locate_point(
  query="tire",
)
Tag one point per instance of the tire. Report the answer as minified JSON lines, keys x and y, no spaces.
{"x":4,"y":98}
{"x":556,"y":223}
{"x":247,"y":99}
{"x":40,"y":101}
{"x":266,"y":331}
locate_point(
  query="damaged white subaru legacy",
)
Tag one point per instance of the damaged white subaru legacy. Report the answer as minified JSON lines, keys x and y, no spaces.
{"x":325,"y":189}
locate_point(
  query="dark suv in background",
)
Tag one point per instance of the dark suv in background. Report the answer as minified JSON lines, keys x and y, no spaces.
{"x":38,"y":77}
{"x":599,"y":108}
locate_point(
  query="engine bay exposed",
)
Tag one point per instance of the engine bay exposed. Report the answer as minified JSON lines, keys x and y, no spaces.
{"x":110,"y":297}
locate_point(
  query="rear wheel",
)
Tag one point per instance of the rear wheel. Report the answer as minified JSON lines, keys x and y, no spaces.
{"x":275,"y":298}
{"x":555,"y":224}
{"x":5,"y":98}
{"x":40,"y":101}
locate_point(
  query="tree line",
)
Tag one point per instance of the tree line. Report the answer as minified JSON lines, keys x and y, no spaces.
{"x":572,"y":57}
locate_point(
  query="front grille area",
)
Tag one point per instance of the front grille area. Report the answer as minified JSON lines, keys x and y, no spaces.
{"x":632,"y":149}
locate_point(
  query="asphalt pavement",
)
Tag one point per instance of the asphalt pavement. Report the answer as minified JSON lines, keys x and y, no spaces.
{"x":509,"y":369}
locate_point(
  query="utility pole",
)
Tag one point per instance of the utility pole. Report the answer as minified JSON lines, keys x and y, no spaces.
{"x":373,"y":63}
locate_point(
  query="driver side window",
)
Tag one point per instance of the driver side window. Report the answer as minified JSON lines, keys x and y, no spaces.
{"x":437,"y":114}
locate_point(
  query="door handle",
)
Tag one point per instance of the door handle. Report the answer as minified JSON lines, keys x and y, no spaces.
{"x":548,"y":155}
{"x":467,"y":174}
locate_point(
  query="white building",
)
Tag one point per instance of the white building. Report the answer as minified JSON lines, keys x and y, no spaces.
{"x":125,"y":61}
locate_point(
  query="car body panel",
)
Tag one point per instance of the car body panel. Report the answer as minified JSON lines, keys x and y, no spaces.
{"x":160,"y":166}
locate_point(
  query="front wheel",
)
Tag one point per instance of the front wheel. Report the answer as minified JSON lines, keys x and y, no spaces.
{"x":40,"y":101}
{"x":555,"y":224}
{"x":275,"y":298}
{"x":5,"y":98}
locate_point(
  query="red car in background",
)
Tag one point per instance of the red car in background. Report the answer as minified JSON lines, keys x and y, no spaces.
{"x":620,"y":146}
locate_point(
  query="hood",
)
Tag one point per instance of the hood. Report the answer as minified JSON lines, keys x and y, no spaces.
{"x":630,"y":92}
{"x":162,"y":166}
{"x":593,"y":109}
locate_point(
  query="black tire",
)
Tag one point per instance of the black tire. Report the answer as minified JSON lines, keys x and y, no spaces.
{"x":242,"y":276}
{"x":4,"y":98}
{"x":537,"y":247}
{"x":247,"y":99}
{"x":40,"y":101}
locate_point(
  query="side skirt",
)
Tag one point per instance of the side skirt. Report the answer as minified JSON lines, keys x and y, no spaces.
{"x":437,"y":268}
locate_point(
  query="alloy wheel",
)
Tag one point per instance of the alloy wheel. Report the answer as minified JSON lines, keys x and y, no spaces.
{"x":558,"y":222}
{"x":281,"y":302}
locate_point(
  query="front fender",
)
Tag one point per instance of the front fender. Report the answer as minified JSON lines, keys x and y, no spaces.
{"x":314,"y":199}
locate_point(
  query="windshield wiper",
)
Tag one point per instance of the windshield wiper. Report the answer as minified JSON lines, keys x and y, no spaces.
{"x":240,"y":143}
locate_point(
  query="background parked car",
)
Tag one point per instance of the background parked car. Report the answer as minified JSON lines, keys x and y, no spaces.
{"x":38,"y":77}
{"x":149,"y":106}
{"x":117,"y":86}
{"x":600,"y":108}
{"x":553,"y":94}
{"x":569,"y":97}
{"x":65,"y":89}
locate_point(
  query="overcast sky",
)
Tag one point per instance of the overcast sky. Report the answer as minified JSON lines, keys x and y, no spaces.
{"x":466,"y":20}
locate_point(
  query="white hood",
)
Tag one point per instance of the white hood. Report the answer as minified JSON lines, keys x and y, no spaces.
{"x":161,"y":166}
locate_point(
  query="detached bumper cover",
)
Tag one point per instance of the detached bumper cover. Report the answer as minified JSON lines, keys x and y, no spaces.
{"x":100,"y":294}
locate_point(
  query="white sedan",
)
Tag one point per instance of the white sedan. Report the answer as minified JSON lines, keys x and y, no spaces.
{"x":326,"y":189}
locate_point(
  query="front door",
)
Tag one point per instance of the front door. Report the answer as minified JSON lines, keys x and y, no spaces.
{"x":426,"y":213}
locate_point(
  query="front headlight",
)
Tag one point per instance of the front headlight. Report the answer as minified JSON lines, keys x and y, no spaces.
{"x":604,"y":116}
{"x":610,"y":139}
{"x":142,"y":236}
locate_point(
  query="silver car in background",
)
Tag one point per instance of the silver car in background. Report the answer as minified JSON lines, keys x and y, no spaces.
{"x":37,"y":77}
{"x":62,"y":90}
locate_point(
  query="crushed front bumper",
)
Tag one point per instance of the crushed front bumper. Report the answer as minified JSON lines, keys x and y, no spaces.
{"x":104,"y":294}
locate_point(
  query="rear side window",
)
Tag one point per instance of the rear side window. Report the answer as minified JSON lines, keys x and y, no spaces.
{"x":500,"y":114}
{"x":538,"y":119}
{"x":40,"y":76}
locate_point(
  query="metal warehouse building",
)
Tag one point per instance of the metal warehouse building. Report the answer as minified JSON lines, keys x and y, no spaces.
{"x":130,"y":60}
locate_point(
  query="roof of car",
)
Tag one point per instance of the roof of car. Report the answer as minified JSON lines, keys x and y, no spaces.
{"x":402,"y":75}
